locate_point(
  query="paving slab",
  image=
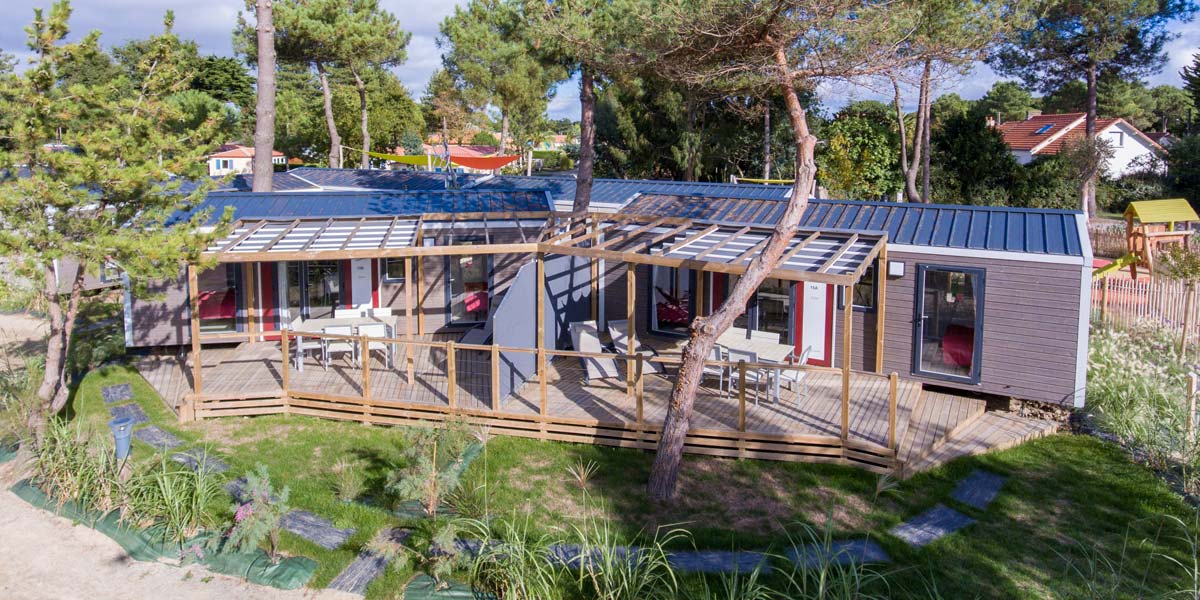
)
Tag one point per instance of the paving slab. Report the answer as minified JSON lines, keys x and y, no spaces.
{"x":979,"y":489}
{"x":931,"y":525}
{"x":192,"y":458}
{"x":317,"y":530}
{"x":366,"y":567}
{"x":841,"y":552}
{"x":156,"y":437}
{"x":119,"y":392}
{"x":130,"y":411}
{"x":719,"y":561}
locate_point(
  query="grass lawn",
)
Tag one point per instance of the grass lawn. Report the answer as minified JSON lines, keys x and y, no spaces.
{"x":1069,"y":500}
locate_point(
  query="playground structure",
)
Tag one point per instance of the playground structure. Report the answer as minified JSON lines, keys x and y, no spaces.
{"x":1151,"y":226}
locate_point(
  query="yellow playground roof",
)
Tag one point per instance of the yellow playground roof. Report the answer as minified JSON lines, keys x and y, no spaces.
{"x":1174,"y":210}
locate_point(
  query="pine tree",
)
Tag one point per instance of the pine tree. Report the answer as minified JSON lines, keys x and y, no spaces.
{"x":1191,"y":79}
{"x":93,"y":174}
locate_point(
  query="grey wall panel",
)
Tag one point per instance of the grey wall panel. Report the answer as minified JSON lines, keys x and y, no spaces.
{"x":516,"y":327}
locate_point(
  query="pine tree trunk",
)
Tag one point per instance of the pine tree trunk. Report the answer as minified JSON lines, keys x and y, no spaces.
{"x":664,"y":474}
{"x":365,"y":163}
{"x":587,"y":141}
{"x":335,"y":140}
{"x":62,"y":394}
{"x":925,"y":142}
{"x":1088,"y":188}
{"x":503,"y":131}
{"x":264,"y":108}
{"x":767,"y":140}
{"x":54,"y":391}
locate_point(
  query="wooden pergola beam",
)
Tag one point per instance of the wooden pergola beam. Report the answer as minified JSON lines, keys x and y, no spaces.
{"x":837,"y":254}
{"x":665,"y":236}
{"x":721,"y":244}
{"x":316,"y":236}
{"x":632,"y":234}
{"x":750,"y":252}
{"x":275,"y":240}
{"x":695,"y":237}
{"x":350,"y":236}
{"x":241,"y":238}
{"x":798,"y":247}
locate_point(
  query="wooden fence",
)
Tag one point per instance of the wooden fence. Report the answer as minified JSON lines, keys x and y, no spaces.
{"x":1108,"y":239}
{"x":1166,"y":304}
{"x":468,"y":389}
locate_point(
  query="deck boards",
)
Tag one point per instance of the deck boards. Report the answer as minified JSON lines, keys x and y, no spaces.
{"x":924,"y":419}
{"x":991,"y":431}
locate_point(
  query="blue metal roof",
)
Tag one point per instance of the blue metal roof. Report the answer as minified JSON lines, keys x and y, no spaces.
{"x":273,"y":206}
{"x":1035,"y":231}
{"x":618,"y":191}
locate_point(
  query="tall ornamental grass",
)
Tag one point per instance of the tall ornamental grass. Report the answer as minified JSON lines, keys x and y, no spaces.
{"x":1137,"y":390}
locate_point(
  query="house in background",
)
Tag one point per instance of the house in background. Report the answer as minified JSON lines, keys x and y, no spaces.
{"x":238,"y":160}
{"x":1046,"y":135}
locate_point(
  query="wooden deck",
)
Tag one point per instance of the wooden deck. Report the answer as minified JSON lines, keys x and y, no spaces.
{"x":805,"y":424}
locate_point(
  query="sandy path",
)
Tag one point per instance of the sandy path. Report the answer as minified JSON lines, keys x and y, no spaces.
{"x":20,"y":334}
{"x":44,"y":557}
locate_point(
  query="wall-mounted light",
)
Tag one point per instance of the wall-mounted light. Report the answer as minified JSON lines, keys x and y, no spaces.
{"x":895,"y":268}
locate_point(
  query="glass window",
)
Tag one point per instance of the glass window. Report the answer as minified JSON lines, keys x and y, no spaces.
{"x":774,"y":304}
{"x":393,"y":270}
{"x":470,"y":285}
{"x":217,"y":293}
{"x":672,"y":300}
{"x":863,"y":291}
{"x":322,"y":282}
{"x":950,"y":321}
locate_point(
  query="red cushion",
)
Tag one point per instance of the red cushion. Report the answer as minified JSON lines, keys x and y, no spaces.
{"x":958,"y":344}
{"x":220,"y":304}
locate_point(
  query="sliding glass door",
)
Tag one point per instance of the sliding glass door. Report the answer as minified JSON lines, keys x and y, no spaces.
{"x":313,"y":288}
{"x":948,"y":338}
{"x":468,"y":285}
{"x":672,"y":293}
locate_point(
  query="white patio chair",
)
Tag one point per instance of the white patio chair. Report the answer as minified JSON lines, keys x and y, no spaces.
{"x":378,"y":331}
{"x":347,"y":313}
{"x":796,"y":376}
{"x":617,"y":330}
{"x":765,"y":336}
{"x":585,"y":337}
{"x":303,"y":344}
{"x":721,"y":372}
{"x":754,"y":376}
{"x":338,"y":346}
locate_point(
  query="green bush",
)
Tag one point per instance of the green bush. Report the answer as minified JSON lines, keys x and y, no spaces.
{"x":257,"y":519}
{"x":68,"y":464}
{"x":173,"y":499}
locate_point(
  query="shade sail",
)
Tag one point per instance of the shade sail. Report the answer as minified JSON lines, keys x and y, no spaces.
{"x":484,"y":163}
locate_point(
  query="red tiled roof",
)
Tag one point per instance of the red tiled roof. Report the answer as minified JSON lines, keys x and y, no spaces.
{"x":462,"y":150}
{"x":1022,"y":135}
{"x":240,"y":152}
{"x":1075,"y":133}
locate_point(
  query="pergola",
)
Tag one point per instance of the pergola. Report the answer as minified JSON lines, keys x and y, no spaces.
{"x":826,"y":256}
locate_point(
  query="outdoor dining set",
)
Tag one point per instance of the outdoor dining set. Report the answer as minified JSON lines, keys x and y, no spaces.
{"x":373,"y":323}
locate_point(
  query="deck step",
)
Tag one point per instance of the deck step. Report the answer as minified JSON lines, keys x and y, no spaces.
{"x":991,"y":432}
{"x":937,"y":417}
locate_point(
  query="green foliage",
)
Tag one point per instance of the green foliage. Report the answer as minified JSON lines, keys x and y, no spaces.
{"x":225,"y":79}
{"x":18,"y":395}
{"x":1172,"y":107}
{"x":429,"y":546}
{"x":393,"y":112}
{"x":1179,"y":262}
{"x":346,"y":480}
{"x":1114,"y":195}
{"x":173,"y":499}
{"x":1183,"y":168}
{"x":69,"y":464}
{"x":431,"y":466}
{"x":971,"y":161}
{"x":1008,"y":99}
{"x":412,"y":143}
{"x":196,"y":108}
{"x":859,"y":160}
{"x":257,"y":518}
{"x":1191,"y":79}
{"x":484,"y":138}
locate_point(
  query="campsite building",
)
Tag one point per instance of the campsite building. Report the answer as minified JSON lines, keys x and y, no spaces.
{"x":984,"y":300}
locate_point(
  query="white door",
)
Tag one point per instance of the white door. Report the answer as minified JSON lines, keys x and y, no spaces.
{"x":816,"y":322}
{"x":360,"y":283}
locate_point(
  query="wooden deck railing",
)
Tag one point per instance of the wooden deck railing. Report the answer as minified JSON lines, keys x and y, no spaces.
{"x":488,"y":407}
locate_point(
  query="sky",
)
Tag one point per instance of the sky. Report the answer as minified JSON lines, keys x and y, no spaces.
{"x":210,"y":23}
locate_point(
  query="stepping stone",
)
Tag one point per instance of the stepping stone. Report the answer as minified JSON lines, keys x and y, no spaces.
{"x":317,"y":530}
{"x":159,"y":439}
{"x":116,"y":393}
{"x":839,"y":552}
{"x":194,"y":457}
{"x":130,"y":411}
{"x":719,"y":561}
{"x":359,"y":574}
{"x":931,"y":525}
{"x":978,"y":489}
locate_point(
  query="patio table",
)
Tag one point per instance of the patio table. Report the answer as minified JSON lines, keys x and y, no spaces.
{"x":319,"y":325}
{"x":767,"y":351}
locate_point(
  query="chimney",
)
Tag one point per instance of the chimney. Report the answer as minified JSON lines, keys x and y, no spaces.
{"x":1031,"y":113}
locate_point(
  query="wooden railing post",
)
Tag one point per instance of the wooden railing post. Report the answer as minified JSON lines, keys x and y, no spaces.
{"x":495,"y":377}
{"x":1191,"y":404}
{"x":893,"y":385}
{"x":451,"y":374}
{"x":1188,"y":305}
{"x":1104,"y":301}
{"x":364,"y":363}
{"x":285,"y":368}
{"x":640,"y":392}
{"x":742,"y":396}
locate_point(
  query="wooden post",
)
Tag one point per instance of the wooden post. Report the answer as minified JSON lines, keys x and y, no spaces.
{"x":595,"y":264}
{"x":893,"y":385}
{"x":700,"y":293}
{"x":1191,"y":402}
{"x":540,"y":307}
{"x":1188,"y":304}
{"x":495,"y":377}
{"x":451,"y":374}
{"x":408,"y":318}
{"x":251,"y":298}
{"x":640,"y":390}
{"x":880,"y":307}
{"x":742,"y":396}
{"x":285,"y":369}
{"x":631,"y":342}
{"x":194,"y":322}
{"x":1104,"y":301}
{"x":364,"y":362}
{"x":420,"y":274}
{"x":847,"y":321}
